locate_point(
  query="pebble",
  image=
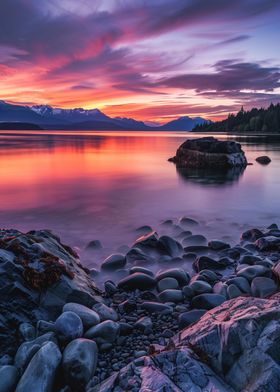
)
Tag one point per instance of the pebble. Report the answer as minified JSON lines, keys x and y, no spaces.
{"x":167,"y":283}
{"x":114,"y":262}
{"x":171,"y":295}
{"x":137,"y":280}
{"x":179,"y":274}
{"x":207,"y":301}
{"x":68,"y":326}
{"x":105,"y":312}
{"x":88,"y":316}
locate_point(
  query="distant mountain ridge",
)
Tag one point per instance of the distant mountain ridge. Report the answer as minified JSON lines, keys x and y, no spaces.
{"x":56,"y":118}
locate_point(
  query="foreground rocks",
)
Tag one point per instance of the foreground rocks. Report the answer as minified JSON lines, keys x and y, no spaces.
{"x":198,"y":315}
{"x":208,"y":152}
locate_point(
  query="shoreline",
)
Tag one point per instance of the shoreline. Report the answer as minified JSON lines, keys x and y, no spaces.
{"x":153,"y":295}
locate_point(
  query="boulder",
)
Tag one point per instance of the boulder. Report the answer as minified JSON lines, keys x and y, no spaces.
{"x":195,"y":239}
{"x":105,"y":312}
{"x":263,"y":160}
{"x":169,"y":246}
{"x":268,"y":243}
{"x":137,"y":280}
{"x":263,"y":287}
{"x":171,"y":295}
{"x":208,"y":152}
{"x":107,"y":331}
{"x":68,"y":326}
{"x":9,"y":376}
{"x":79,"y":362}
{"x":200,"y":287}
{"x":253,"y":271}
{"x":207,"y":301}
{"x":27,"y":331}
{"x":88,"y":316}
{"x":40,"y":374}
{"x":188,"y":318}
{"x":218,"y":245}
{"x":251,"y":235}
{"x":205,"y":262}
{"x":233,"y":291}
{"x":114,"y":262}
{"x":167,"y":283}
{"x":179,"y":274}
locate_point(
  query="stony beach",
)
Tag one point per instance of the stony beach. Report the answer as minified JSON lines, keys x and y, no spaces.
{"x":175,"y":312}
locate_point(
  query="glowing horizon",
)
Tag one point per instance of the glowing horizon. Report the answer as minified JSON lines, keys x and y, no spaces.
{"x":153,"y":61}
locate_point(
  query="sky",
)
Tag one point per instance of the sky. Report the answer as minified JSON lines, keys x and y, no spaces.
{"x":153,"y":60}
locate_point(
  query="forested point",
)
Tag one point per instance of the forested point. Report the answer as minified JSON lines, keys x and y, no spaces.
{"x":254,"y":120}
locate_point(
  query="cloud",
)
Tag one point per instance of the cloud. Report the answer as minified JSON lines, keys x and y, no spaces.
{"x":228,"y":75}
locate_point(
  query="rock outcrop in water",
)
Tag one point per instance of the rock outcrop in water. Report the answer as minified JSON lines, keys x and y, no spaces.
{"x":206,"y":318}
{"x":208,"y":152}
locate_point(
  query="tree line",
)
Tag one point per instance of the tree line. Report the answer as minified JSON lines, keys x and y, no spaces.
{"x":254,"y":120}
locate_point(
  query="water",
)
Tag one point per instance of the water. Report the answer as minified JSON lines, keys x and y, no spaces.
{"x":103,"y":185}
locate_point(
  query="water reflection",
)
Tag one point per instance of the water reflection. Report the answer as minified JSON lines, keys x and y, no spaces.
{"x":211,"y":177}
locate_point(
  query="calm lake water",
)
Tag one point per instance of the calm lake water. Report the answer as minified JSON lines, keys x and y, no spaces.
{"x":103,"y":185}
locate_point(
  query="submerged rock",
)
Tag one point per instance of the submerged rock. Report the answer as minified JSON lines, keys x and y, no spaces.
{"x":264,"y":160}
{"x":137,"y":280}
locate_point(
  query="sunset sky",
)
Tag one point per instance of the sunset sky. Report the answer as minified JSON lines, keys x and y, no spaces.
{"x":152,"y":60}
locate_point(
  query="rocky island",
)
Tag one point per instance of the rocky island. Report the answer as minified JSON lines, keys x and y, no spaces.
{"x":209,"y":152}
{"x":176,"y":313}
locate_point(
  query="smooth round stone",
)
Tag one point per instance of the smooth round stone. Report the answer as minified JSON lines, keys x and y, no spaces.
{"x":110,"y":287}
{"x":167,"y":222}
{"x":185,"y":221}
{"x":187,"y":318}
{"x":165,"y":259}
{"x":94,"y":245}
{"x":184,"y":234}
{"x":114,"y":262}
{"x":220,"y":288}
{"x":233,"y":291}
{"x":263,"y":287}
{"x":6,"y":360}
{"x":9,"y":376}
{"x":268,"y":243}
{"x":205,"y":262}
{"x":93,"y":272}
{"x":251,"y":235}
{"x":218,"y":245}
{"x":149,"y":240}
{"x":169,"y":246}
{"x":105,"y":312}
{"x":138,"y":280}
{"x":179,"y":274}
{"x":145,"y":325}
{"x":44,"y":327}
{"x":189,"y":257}
{"x":209,"y":276}
{"x":79,"y":362}
{"x":200,"y":287}
{"x":144,"y":229}
{"x":27,"y":331}
{"x":249,"y":259}
{"x":125,"y":329}
{"x":40,"y":374}
{"x":136,"y":255}
{"x":107,"y":330}
{"x":263,"y":160}
{"x":207,"y":301}
{"x":88,"y":316}
{"x":253,"y":271}
{"x":68,"y":326}
{"x":242,"y":283}
{"x":195,"y":239}
{"x":156,"y":307}
{"x":187,"y":292}
{"x":167,"y":283}
{"x":143,"y":270}
{"x":171,"y":295}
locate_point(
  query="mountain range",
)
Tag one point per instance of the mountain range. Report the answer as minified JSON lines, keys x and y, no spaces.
{"x":47,"y":117}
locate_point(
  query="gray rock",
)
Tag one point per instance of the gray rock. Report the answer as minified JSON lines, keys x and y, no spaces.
{"x":263,"y":160}
{"x":249,"y":259}
{"x":94,"y":245}
{"x":156,"y":307}
{"x":218,"y":245}
{"x":44,"y":327}
{"x":251,"y":235}
{"x":105,"y":312}
{"x":147,"y":241}
{"x":114,"y":262}
{"x":9,"y":376}
{"x":188,"y":318}
{"x":241,"y":283}
{"x":187,"y":292}
{"x":79,"y":362}
{"x":167,"y":283}
{"x":233,"y":291}
{"x":105,"y":332}
{"x":268,"y":243}
{"x":205,"y":262}
{"x":253,"y":271}
{"x":195,"y":239}
{"x":110,"y":287}
{"x":207,"y":301}
{"x":41,"y":371}
{"x":27,"y":349}
{"x":200,"y":287}
{"x":27,"y":331}
{"x":135,"y":255}
{"x":145,"y":325}
{"x":139,"y":354}
{"x":88,"y":316}
{"x":142,"y":270}
{"x":68,"y":326}
{"x":137,"y":280}
{"x":179,"y":274}
{"x":263,"y":287}
{"x":220,"y":288}
{"x":169,"y":246}
{"x":208,"y":276}
{"x":171,"y":295}
{"x":144,"y":229}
